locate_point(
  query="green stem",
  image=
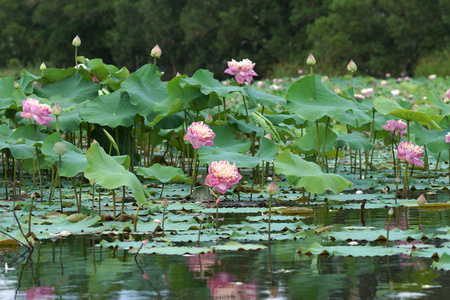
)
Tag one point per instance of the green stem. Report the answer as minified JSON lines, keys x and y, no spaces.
{"x":194,"y":172}
{"x":387,"y":234}
{"x":270,"y":213}
{"x":217,"y":216}
{"x":318,"y":144}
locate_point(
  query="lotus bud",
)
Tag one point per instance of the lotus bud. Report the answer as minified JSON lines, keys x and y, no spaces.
{"x":165,"y":203}
{"x":397,"y":180}
{"x":43,"y":67}
{"x":351,"y":67}
{"x":144,"y":242}
{"x":156,"y":52}
{"x":311,"y":61}
{"x":208,"y":119}
{"x":337,"y":90}
{"x":16,"y":85}
{"x":272,"y":189}
{"x":391,"y":212}
{"x":268,"y":136}
{"x":76,"y":41}
{"x":57,"y":110}
{"x":60,"y":148}
{"x":218,"y":200}
{"x":421,"y":200}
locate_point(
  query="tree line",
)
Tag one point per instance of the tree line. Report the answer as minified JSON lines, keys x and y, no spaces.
{"x":379,"y":35}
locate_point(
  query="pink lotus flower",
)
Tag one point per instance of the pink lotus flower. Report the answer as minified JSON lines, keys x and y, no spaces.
{"x":398,"y":127}
{"x":39,"y":112}
{"x":242,"y":70}
{"x":388,"y":75}
{"x":410,"y":152}
{"x":432,"y":77}
{"x":40,"y":293}
{"x":447,"y":138}
{"x":367,"y":92}
{"x":399,"y":79}
{"x":359,"y":96}
{"x":447,"y":94}
{"x":222,"y":176}
{"x":199,"y":134}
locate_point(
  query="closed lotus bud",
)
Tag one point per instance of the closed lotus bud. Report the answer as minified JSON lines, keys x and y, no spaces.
{"x":43,"y":67}
{"x":208,"y":119}
{"x":391,"y":212}
{"x":272,"y":189}
{"x":76,"y":41}
{"x":311,"y":61}
{"x":351,"y":67}
{"x":144,"y":242}
{"x":165,"y":203}
{"x":268,"y":136}
{"x":421,"y":200}
{"x":156,"y":52}
{"x":16,"y":85}
{"x":218,"y":200}
{"x":60,"y":148}
{"x":57,"y":110}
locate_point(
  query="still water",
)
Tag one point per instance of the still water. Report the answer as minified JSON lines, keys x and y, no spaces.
{"x":73,"y":268}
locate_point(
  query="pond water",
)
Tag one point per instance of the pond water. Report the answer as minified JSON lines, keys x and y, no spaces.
{"x":72,"y":268}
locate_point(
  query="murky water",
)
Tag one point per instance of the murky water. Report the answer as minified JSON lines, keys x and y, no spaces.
{"x":72,"y":268}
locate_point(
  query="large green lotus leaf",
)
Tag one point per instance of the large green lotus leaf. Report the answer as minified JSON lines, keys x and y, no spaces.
{"x":309,"y":98}
{"x":111,"y":110}
{"x":72,"y":90}
{"x":28,"y":132}
{"x":443,"y":263}
{"x":305,"y":174}
{"x":235,"y":246}
{"x":356,"y":140}
{"x":361,"y":112}
{"x":163,"y":173}
{"x":225,"y":139}
{"x":267,"y":152}
{"x":245,"y":127}
{"x":108,"y":173}
{"x":173,"y":250}
{"x":145,"y":89}
{"x":179,"y":99}
{"x":433,"y":139}
{"x":433,"y":99}
{"x":388,"y":106}
{"x":20,"y":150}
{"x":264,"y":99}
{"x":72,"y":162}
{"x":205,"y":80}
{"x":7,"y":90}
{"x":431,"y":251}
{"x":69,"y":121}
{"x":395,"y":234}
{"x":355,"y":251}
{"x":52,"y":75}
{"x":308,"y":142}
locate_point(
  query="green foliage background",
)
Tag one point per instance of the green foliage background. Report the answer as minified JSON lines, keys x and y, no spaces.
{"x":379,"y":35}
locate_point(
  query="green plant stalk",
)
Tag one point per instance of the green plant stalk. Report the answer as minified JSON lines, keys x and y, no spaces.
{"x":318,"y":144}
{"x":163,"y":218}
{"x":194,"y":172}
{"x":93,"y":199}
{"x":406,"y":181}
{"x":153,"y":146}
{"x":56,"y":124}
{"x":225,"y":111}
{"x":427,"y":165}
{"x":199,"y":231}
{"x":60,"y":191}
{"x":217,"y":216}
{"x":123,"y":200}
{"x":29,"y":219}
{"x":420,"y":215}
{"x":270,"y":214}
{"x":99,"y":202}
{"x":114,"y":204}
{"x":78,"y":200}
{"x":336,"y":160}
{"x":436,"y":167}
{"x":324,"y":139}
{"x":387,"y":233}
{"x":5,"y":169}
{"x":39,"y":173}
{"x":135,"y":217}
{"x":311,"y":70}
{"x":76,"y":67}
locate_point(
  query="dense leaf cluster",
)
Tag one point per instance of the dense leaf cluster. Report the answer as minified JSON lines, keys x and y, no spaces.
{"x":379,"y":35}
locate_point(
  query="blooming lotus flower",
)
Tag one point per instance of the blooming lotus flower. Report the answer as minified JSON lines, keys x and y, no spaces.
{"x":395,"y":92}
{"x":359,"y":96}
{"x":388,"y":75}
{"x":447,"y":94}
{"x":199,"y":134}
{"x":432,"y":77}
{"x":242,"y":70}
{"x":398,"y":127}
{"x":410,"y":152}
{"x":447,"y":138}
{"x":39,"y":112}
{"x":222,"y":176}
{"x":367,"y":92}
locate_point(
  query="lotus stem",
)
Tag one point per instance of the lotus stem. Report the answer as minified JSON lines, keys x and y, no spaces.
{"x":114,"y":203}
{"x":163,"y":219}
{"x":200,"y":219}
{"x":93,"y":199}
{"x":225,"y":111}
{"x":39,"y":173}
{"x":194,"y":172}
{"x":318,"y":144}
{"x":390,"y":213}
{"x":270,"y":214}
{"x":29,"y":218}
{"x":135,"y":217}
{"x":436,"y":167}
{"x":324,"y":139}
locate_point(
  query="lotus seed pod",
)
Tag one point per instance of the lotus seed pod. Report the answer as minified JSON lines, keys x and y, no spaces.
{"x":60,"y":148}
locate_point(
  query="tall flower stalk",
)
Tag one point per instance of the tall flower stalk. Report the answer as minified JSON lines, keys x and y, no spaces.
{"x":409,"y":153}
